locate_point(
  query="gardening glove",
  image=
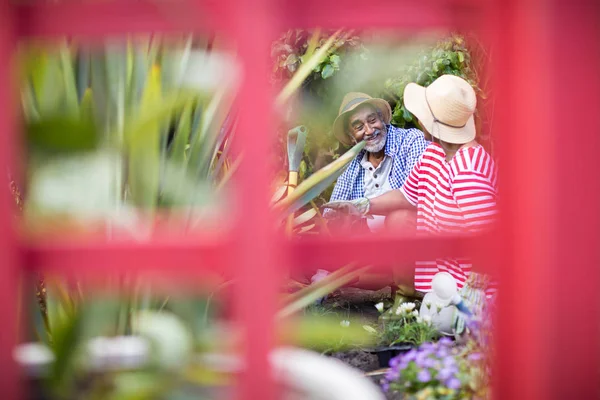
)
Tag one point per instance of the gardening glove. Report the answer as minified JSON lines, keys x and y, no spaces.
{"x":354,"y":208}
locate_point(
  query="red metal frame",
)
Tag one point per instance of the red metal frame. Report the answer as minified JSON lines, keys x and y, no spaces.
{"x":544,"y":69}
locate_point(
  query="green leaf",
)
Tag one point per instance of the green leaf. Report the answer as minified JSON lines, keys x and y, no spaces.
{"x":334,"y":59}
{"x":317,"y":290}
{"x":182,"y":135}
{"x":461,"y":57}
{"x":305,"y":217}
{"x":324,"y":332}
{"x":305,"y":70}
{"x":144,"y":151}
{"x":62,"y":134}
{"x":327,"y":71}
{"x":66,"y":337}
{"x":70,"y":84}
{"x":317,"y":182}
{"x":408,"y":117}
{"x":302,"y":169}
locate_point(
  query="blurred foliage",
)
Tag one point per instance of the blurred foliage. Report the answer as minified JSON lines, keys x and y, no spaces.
{"x":119,"y":127}
{"x":296,"y":46}
{"x":450,"y":56}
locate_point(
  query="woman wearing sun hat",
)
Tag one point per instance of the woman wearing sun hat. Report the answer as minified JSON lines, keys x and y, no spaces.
{"x":453,"y":185}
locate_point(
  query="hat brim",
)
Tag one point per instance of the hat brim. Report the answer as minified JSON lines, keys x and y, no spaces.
{"x":415,"y":102}
{"x":339,"y":130}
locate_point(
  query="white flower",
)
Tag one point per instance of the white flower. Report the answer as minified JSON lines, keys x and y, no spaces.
{"x":399,"y":311}
{"x":408,"y":306}
{"x":379,"y":307}
{"x":419,"y":320}
{"x":415,"y":313}
{"x":439,"y":307}
{"x":345,"y":323}
{"x":428,"y":305}
{"x":427,"y":319}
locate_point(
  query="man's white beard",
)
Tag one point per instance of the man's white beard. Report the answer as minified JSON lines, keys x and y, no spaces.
{"x":379,"y":144}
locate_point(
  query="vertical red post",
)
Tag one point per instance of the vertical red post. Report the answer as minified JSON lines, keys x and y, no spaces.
{"x":256,"y":293}
{"x":526,"y":135}
{"x":9,"y":378}
{"x":575,"y":303}
{"x":547,"y":83}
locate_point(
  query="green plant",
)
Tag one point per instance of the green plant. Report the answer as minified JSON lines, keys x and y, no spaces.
{"x":449,"y":56}
{"x":402,"y":324}
{"x":447,"y":369}
{"x":296,"y":47}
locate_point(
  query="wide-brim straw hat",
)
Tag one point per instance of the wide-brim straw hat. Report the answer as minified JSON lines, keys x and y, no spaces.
{"x":350,"y":102}
{"x":445,"y":108}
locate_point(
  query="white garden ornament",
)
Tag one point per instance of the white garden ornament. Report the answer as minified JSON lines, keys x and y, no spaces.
{"x":439,"y":304}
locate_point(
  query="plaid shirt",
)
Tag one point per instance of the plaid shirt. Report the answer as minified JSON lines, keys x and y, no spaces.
{"x":404,"y":146}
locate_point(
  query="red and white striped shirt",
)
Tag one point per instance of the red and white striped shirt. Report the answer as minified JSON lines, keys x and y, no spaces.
{"x":451,"y":197}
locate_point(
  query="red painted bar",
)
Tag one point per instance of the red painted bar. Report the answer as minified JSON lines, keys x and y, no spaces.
{"x":406,"y":15}
{"x":527,"y":144}
{"x":97,"y":19}
{"x":575,"y":335}
{"x":9,"y":378}
{"x":100,"y":18}
{"x":258,"y":267}
{"x":308,"y":254}
{"x":184,"y":257}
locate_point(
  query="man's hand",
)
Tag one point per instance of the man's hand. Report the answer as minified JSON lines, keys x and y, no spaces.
{"x":345,"y":214}
{"x":355,"y":208}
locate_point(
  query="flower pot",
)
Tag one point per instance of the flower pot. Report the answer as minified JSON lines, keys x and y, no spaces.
{"x":385,"y":354}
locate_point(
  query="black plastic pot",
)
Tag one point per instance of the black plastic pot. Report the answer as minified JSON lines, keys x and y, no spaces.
{"x":385,"y":354}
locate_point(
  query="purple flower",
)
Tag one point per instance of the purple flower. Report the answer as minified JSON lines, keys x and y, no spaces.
{"x":446,"y":373}
{"x":424,"y":375}
{"x":392,"y":375}
{"x":453,"y":383}
{"x":428,"y":363}
{"x":410,"y":356}
{"x":442,"y":352}
{"x":427,"y":346}
{"x":394,"y":362}
{"x":385,"y":387}
{"x":475,"y":357}
{"x":445,"y":341}
{"x":449,"y":361}
{"x":420,"y":358}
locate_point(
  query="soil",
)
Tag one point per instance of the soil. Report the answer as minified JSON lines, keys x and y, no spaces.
{"x":359,"y":304}
{"x":358,"y":359}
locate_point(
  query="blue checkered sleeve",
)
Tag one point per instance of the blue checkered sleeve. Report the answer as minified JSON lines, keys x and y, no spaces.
{"x":343,"y":188}
{"x":416,"y":145}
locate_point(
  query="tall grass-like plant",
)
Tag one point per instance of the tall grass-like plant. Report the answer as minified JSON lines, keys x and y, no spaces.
{"x":127,"y":131}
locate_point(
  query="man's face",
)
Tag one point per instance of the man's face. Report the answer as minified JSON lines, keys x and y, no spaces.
{"x":364,"y":123}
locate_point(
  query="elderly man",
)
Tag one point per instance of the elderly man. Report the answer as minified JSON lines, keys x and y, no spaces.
{"x":384,"y":164}
{"x":387,"y":159}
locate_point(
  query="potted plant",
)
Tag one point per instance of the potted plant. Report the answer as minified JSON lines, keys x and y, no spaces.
{"x":445,"y":369}
{"x":401,"y":330}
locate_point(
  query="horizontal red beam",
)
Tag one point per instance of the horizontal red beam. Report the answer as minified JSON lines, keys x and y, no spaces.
{"x":177,"y":257}
{"x":98,"y":19}
{"x":383,"y":252}
{"x":183,"y":257}
{"x":407,"y":15}
{"x":101,"y":19}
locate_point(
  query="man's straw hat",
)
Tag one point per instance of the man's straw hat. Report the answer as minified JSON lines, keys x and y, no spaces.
{"x":350,"y":102}
{"x":445,"y":108}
